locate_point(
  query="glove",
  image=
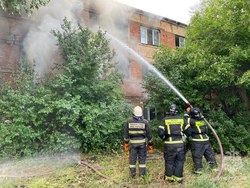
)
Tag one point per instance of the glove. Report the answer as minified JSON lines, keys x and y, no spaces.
{"x":125,"y":146}
{"x":150,"y":149}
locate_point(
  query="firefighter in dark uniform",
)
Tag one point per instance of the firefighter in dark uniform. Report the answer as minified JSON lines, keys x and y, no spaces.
{"x":200,"y":145}
{"x":172,"y":130}
{"x":137,"y":136}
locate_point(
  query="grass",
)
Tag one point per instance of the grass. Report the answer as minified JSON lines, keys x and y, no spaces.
{"x":115,"y":167}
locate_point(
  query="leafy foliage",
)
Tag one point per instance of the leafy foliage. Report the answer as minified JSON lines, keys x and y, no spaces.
{"x":15,"y":7}
{"x":212,"y":69}
{"x":79,"y":107}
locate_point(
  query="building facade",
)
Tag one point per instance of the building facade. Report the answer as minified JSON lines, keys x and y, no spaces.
{"x":144,"y":33}
{"x":141,"y":31}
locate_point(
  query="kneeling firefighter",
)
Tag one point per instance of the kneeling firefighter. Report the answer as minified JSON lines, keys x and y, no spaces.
{"x":200,"y":145}
{"x":172,"y":130}
{"x":137,"y":135}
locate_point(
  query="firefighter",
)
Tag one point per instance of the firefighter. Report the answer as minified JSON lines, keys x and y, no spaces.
{"x":200,"y":145}
{"x":138,"y":140}
{"x":172,"y":130}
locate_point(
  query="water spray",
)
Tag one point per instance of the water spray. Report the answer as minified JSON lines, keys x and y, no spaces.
{"x":159,"y":74}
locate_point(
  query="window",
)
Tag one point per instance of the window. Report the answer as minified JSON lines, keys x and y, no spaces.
{"x":93,"y":17}
{"x":150,"y":36}
{"x":179,"y":41}
{"x":149,"y":113}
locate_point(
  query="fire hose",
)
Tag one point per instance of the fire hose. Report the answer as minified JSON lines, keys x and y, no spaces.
{"x":217,"y":176}
{"x":221,"y":151}
{"x":151,"y":67}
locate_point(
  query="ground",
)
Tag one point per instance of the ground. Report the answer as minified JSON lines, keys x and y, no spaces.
{"x":112,"y":171}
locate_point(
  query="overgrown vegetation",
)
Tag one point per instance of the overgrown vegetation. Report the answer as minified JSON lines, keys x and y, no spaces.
{"x":236,"y":174}
{"x":212,"y":71}
{"x":81,"y":107}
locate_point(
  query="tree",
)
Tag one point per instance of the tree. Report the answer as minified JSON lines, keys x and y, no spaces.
{"x":212,"y":70}
{"x":79,"y":107}
{"x":89,"y":76}
{"x":16,"y":7}
{"x":218,"y":39}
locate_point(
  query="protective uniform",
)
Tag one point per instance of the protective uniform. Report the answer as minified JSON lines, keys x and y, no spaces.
{"x":138,"y":134}
{"x":171,"y":131}
{"x":200,"y":145}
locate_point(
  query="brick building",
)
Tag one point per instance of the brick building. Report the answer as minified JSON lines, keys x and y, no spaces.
{"x":141,"y":31}
{"x":12,"y":32}
{"x":144,"y":33}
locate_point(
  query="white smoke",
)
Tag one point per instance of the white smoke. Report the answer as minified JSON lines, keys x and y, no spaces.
{"x":39,"y":44}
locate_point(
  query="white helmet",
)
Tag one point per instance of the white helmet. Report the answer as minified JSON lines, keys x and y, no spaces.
{"x":137,"y":111}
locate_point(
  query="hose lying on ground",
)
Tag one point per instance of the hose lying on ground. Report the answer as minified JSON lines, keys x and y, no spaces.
{"x":101,"y":174}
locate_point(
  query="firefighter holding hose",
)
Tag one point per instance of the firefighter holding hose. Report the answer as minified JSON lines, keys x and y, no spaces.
{"x":200,"y":145}
{"x":138,"y":140}
{"x":172,"y":130}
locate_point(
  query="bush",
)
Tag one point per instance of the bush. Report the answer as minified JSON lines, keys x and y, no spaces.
{"x":233,"y":135}
{"x":81,"y":107}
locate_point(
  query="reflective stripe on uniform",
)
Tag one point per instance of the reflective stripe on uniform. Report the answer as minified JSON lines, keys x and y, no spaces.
{"x":169,"y":132}
{"x":200,"y":140}
{"x":137,"y":141}
{"x":132,"y":166}
{"x":161,"y":127}
{"x":177,"y":178}
{"x":169,"y":122}
{"x":169,"y":178}
{"x":174,"y":142}
{"x":198,"y":124}
{"x":174,"y":121}
{"x":126,"y":140}
{"x":187,"y":126}
{"x":142,"y":165}
{"x":136,"y":132}
{"x":150,"y":141}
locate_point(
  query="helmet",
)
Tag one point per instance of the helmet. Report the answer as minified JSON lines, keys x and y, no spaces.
{"x":173,"y":108}
{"x":137,"y":111}
{"x":195,"y":112}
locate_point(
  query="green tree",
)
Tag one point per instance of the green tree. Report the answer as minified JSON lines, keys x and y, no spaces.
{"x":16,"y":7}
{"x":79,"y":107}
{"x":212,"y":70}
{"x":218,"y":39}
{"x":89,"y":76}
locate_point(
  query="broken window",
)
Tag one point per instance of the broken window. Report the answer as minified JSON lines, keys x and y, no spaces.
{"x":179,"y":41}
{"x":150,"y":36}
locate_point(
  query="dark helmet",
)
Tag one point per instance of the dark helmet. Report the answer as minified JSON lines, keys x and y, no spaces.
{"x":195,"y":112}
{"x":173,"y":109}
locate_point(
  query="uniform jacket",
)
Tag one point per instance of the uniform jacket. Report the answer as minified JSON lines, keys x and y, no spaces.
{"x":137,"y":131}
{"x":199,"y":129}
{"x":172,"y":129}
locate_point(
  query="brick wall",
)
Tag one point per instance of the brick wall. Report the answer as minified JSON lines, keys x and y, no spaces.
{"x":12,"y":31}
{"x":168,"y":30}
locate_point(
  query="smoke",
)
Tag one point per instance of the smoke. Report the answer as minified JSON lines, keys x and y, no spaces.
{"x":37,"y":166}
{"x":39,"y":44}
{"x":113,"y":17}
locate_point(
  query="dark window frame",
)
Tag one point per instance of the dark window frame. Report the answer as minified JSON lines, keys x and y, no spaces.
{"x":179,"y":41}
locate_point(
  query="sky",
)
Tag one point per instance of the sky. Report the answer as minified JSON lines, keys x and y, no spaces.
{"x":178,"y":10}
